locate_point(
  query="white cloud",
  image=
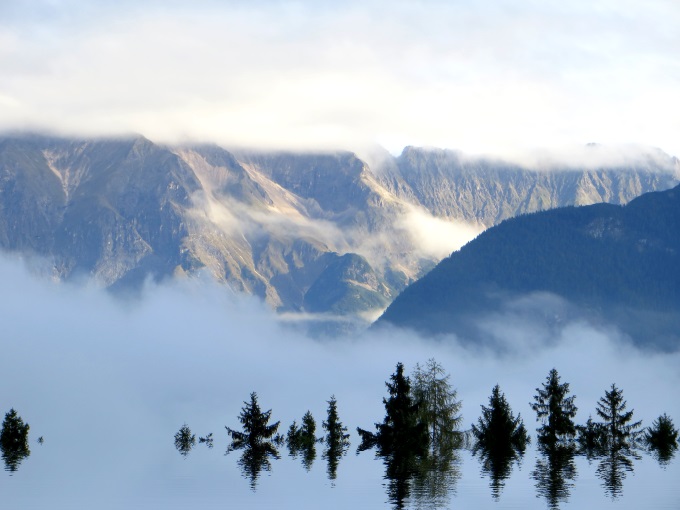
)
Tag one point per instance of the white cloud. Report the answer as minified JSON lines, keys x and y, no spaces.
{"x":436,"y":237}
{"x":479,"y":77}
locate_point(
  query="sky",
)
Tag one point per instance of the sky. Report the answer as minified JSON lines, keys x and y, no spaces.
{"x":496,"y":77}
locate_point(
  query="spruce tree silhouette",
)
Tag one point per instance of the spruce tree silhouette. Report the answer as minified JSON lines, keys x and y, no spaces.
{"x":618,"y":432}
{"x":500,"y":439}
{"x":257,"y":440}
{"x":402,"y":428}
{"x":555,"y":410}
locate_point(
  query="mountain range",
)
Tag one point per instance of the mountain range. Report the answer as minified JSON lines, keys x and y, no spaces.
{"x":322,"y":234}
{"x":608,"y":264}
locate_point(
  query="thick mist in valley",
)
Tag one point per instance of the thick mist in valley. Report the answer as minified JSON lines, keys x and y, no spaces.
{"x":95,"y":374}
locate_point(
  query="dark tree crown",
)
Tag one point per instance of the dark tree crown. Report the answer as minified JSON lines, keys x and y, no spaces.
{"x":497,"y":429}
{"x":555,"y":410}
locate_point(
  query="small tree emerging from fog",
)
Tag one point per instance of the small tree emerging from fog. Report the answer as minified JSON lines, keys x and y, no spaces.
{"x":303,"y":436}
{"x":336,"y":438}
{"x":497,"y":429}
{"x":439,"y":405}
{"x":14,"y":434}
{"x":257,"y":433}
{"x":662,"y":438}
{"x":256,"y":440}
{"x":14,"y":440}
{"x":501,"y":440}
{"x":301,"y":440}
{"x":555,"y":410}
{"x":662,"y":433}
{"x":184,"y":440}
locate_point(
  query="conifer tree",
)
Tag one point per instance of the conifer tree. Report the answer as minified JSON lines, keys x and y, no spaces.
{"x":336,"y":438}
{"x":301,"y":440}
{"x":662,"y":433}
{"x":308,"y":428}
{"x":662,"y":438}
{"x":497,"y":430}
{"x":14,"y":440}
{"x":555,"y":410}
{"x":184,"y":440}
{"x":256,"y":440}
{"x":14,"y":433}
{"x":257,"y":432}
{"x":303,"y":436}
{"x":616,"y":427}
{"x":401,"y":428}
{"x":591,"y":438}
{"x":500,"y":440}
{"x":439,"y":405}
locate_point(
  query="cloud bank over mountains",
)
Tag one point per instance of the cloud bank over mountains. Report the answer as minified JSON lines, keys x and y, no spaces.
{"x":497,"y":77}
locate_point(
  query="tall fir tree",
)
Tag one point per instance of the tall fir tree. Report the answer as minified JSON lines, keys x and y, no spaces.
{"x":337,"y":438}
{"x":555,"y":410}
{"x":439,"y":404}
{"x":402,"y":428}
{"x":617,"y":427}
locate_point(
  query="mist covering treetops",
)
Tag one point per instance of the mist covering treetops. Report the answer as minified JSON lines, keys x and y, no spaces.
{"x":324,"y":233}
{"x":614,"y":264}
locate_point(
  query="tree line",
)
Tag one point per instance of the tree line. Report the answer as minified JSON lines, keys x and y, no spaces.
{"x":422,"y":426}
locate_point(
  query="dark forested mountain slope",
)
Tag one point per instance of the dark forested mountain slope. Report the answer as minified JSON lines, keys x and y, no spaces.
{"x":615,"y":264}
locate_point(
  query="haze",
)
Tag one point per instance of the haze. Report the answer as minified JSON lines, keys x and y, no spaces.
{"x":108,"y":382}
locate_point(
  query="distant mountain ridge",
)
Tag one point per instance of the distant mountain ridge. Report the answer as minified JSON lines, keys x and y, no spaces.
{"x":316,"y":233}
{"x":619,"y":265}
{"x":488,"y":191}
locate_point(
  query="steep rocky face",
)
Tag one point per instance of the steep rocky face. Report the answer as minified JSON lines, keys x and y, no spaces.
{"x":347,"y":285}
{"x":451,"y":185}
{"x":32,"y":200}
{"x":318,"y":233}
{"x":283,"y":223}
{"x":108,"y":208}
{"x":333,"y":181}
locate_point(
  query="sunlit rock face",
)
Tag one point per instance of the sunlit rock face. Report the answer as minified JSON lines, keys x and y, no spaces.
{"x":485,"y":190}
{"x":323,"y":233}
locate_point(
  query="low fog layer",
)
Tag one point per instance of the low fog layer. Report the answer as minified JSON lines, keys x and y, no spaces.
{"x":86,"y":370}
